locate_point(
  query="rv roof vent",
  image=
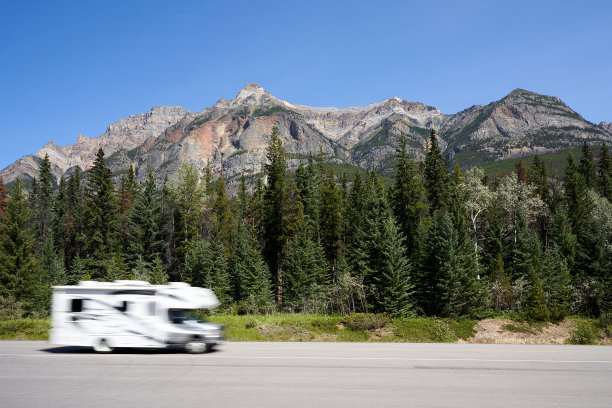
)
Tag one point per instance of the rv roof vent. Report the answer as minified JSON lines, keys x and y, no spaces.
{"x":179,"y":285}
{"x":131,"y":282}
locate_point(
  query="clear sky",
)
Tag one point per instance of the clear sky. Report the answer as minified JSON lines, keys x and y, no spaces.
{"x":70,"y":68}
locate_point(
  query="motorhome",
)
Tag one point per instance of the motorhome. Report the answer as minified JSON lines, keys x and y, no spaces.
{"x":106,"y":315}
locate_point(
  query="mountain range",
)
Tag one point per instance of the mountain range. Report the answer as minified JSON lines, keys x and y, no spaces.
{"x":232,"y":135}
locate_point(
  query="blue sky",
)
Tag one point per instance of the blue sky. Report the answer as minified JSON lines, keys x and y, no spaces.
{"x":70,"y":68}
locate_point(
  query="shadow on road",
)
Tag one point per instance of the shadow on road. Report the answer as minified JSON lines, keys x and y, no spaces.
{"x":136,"y":351}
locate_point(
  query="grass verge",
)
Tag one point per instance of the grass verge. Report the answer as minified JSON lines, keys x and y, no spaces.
{"x":25,"y":329}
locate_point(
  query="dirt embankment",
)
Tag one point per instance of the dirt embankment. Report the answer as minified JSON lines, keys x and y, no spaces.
{"x":504,"y":331}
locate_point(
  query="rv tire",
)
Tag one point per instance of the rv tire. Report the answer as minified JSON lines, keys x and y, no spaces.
{"x":102,"y":347}
{"x":195,"y":347}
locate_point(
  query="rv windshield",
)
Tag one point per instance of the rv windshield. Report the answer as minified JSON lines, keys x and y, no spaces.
{"x":178,"y":316}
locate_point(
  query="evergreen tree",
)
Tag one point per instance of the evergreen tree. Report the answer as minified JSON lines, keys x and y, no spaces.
{"x":405,"y":196}
{"x":21,"y":275}
{"x":52,"y":263}
{"x":538,"y":177}
{"x":563,"y":237}
{"x":500,"y":289}
{"x":556,"y":280}
{"x":436,"y":175}
{"x":437,"y":259}
{"x":393,"y":281}
{"x":305,"y":268}
{"x":331,"y":220}
{"x":144,"y":225}
{"x":282,"y":210}
{"x":576,"y":198}
{"x":101,"y":217}
{"x":73,"y":222}
{"x":158,"y":275}
{"x":77,"y":271}
{"x":536,"y":301}
{"x":605,"y":172}
{"x":587,"y":167}
{"x":3,"y":198}
{"x":187,"y":203}
{"x":42,"y":203}
{"x":525,"y":249}
{"x":521,"y":171}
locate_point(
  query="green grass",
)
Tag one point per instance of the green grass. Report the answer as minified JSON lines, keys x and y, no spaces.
{"x":525,"y":327}
{"x":25,"y":329}
{"x":310,"y":327}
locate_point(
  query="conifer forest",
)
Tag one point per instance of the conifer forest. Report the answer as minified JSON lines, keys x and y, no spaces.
{"x":432,"y":241}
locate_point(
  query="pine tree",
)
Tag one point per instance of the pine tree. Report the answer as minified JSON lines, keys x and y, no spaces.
{"x":305,"y":268}
{"x":332,"y":220}
{"x":405,"y":196}
{"x":536,"y":309}
{"x":576,"y":197}
{"x":556,"y":280}
{"x":521,"y":171}
{"x":144,"y":232}
{"x":187,"y":203}
{"x":605,"y":172}
{"x":42,"y":203}
{"x":587,"y":167}
{"x":74,"y":221}
{"x":21,"y":275}
{"x":393,"y":281}
{"x":282,"y":210}
{"x":77,"y":271}
{"x":538,"y":177}
{"x":436,"y":175}
{"x":158,"y":275}
{"x":438,"y":255}
{"x":52,"y":263}
{"x":101,"y":217}
{"x":3,"y":198}
{"x":500,"y":289}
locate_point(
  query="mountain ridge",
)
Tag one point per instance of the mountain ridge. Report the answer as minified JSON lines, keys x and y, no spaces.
{"x":232,"y":135}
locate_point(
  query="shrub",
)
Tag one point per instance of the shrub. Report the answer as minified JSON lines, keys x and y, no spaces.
{"x":584,"y":333}
{"x":366,"y":321}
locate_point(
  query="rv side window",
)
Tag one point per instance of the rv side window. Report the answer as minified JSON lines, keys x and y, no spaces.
{"x":152,"y":308}
{"x":123,"y":307}
{"x":76,"y":305}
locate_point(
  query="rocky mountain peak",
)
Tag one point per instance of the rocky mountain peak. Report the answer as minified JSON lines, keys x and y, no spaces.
{"x":606,"y":126}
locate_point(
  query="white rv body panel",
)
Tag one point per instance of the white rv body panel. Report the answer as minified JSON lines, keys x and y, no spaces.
{"x":131,"y":314}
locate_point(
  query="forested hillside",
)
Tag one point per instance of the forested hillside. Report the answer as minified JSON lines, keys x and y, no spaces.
{"x":434,"y":242}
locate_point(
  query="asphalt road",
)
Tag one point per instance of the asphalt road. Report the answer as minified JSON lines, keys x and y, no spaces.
{"x":35,"y":374}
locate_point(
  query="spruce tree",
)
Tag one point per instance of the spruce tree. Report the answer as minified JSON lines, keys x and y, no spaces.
{"x":605,"y":172}
{"x":144,"y":222}
{"x":393,"y":281}
{"x":42,"y":203}
{"x":158,"y":275}
{"x":77,"y":271}
{"x":587,"y":167}
{"x":3,"y":198}
{"x":437,"y":261}
{"x":538,"y":177}
{"x":101,"y":212}
{"x":436,"y":175}
{"x":576,"y":197}
{"x":556,"y":281}
{"x":405,"y":196}
{"x":21,"y":275}
{"x":332,"y":220}
{"x":305,"y":268}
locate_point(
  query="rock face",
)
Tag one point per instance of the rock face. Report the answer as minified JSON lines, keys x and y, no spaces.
{"x":232,"y":136}
{"x":606,"y":126}
{"x":127,"y":133}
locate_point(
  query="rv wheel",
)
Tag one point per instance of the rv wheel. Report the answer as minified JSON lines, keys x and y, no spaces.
{"x":102,"y":347}
{"x":195,"y":347}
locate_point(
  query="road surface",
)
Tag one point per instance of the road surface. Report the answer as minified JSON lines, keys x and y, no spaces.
{"x":35,"y":374}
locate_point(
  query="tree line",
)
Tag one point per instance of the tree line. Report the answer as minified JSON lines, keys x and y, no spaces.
{"x":433,"y":242}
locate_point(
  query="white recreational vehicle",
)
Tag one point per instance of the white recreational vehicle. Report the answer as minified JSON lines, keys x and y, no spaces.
{"x":105,"y":315}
